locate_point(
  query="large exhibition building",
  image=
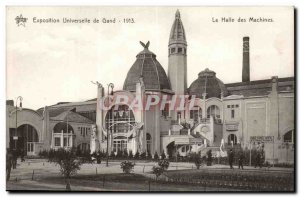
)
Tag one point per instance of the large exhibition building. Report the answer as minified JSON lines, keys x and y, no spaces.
{"x":247,"y":114}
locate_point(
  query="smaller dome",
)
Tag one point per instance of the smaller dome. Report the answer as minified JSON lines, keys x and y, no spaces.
{"x":208,"y":83}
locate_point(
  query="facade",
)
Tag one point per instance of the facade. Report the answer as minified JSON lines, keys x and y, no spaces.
{"x":232,"y":115}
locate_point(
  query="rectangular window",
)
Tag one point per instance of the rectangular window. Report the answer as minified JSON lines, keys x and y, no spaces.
{"x":179,"y":50}
{"x":232,"y":113}
{"x":236,"y":106}
{"x":66,"y":140}
{"x":57,"y":141}
{"x":172,"y":50}
{"x":232,"y":106}
{"x":228,"y":106}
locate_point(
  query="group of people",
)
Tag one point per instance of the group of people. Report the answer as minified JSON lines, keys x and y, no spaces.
{"x":258,"y":159}
{"x":11,"y":160}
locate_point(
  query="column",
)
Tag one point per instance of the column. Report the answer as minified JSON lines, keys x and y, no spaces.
{"x":62,"y":139}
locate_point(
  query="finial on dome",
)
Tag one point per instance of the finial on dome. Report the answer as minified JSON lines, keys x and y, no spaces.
{"x":145,"y":45}
{"x":177,"y":15}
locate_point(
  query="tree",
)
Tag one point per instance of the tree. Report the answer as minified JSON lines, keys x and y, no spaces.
{"x":68,"y":162}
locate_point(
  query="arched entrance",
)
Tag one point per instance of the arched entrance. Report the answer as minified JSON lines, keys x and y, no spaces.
{"x":24,"y":139}
{"x":232,"y":139}
{"x":119,"y":123}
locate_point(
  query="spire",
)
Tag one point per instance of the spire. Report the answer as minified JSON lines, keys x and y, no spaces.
{"x":177,"y":15}
{"x":177,"y":34}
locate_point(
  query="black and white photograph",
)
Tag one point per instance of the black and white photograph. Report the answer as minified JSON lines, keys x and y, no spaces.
{"x":150,"y":99}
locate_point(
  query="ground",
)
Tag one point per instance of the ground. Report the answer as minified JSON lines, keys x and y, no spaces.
{"x":38,"y":174}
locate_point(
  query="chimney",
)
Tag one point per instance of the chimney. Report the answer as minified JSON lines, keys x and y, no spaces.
{"x":246,"y":60}
{"x":10,"y":102}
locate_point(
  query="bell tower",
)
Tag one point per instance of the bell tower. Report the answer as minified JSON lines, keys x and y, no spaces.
{"x":177,"y":66}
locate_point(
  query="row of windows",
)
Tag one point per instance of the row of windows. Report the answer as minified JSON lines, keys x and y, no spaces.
{"x":66,"y":141}
{"x":232,"y":106}
{"x":84,"y":131}
{"x":179,"y":50}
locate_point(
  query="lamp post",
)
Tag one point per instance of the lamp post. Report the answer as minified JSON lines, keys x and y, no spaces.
{"x":16,"y":132}
{"x":110,"y":85}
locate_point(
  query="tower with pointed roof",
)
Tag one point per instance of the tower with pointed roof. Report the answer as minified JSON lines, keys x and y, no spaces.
{"x":177,"y":67}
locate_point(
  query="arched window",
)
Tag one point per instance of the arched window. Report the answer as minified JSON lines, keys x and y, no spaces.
{"x":66,"y":139}
{"x":213,"y":111}
{"x":232,"y":139}
{"x":289,"y":136}
{"x":148,"y":139}
{"x":196,"y":113}
{"x":119,"y":119}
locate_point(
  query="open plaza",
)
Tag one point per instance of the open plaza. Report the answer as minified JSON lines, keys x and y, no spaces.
{"x":39,"y":174}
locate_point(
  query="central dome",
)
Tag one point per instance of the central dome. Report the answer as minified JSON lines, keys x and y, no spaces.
{"x":208,"y":83}
{"x":147,"y":67}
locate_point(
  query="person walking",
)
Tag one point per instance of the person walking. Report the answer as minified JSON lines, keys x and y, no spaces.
{"x":22,"y":155}
{"x":14,"y":159}
{"x":257,"y":159}
{"x":230,"y":158}
{"x":9,"y":160}
{"x":241,"y":159}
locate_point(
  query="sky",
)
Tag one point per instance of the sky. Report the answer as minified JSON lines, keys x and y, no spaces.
{"x":48,"y":63}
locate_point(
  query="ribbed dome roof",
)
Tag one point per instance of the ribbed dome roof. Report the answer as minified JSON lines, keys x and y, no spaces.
{"x":208,"y":83}
{"x":147,"y":67}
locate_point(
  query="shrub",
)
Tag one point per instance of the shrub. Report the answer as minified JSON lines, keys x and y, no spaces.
{"x":130,"y":156}
{"x":137,"y":155}
{"x":43,"y":153}
{"x":163,"y":155}
{"x":209,"y":158}
{"x":98,"y":156}
{"x":127,"y":166}
{"x":86,"y":157}
{"x":119,"y":154}
{"x":125,"y":154}
{"x":157,"y":170}
{"x":143,"y":155}
{"x":156,"y":156}
{"x":196,"y":158}
{"x":112,"y":155}
{"x":164,"y":164}
{"x":177,"y":156}
{"x":149,"y":155}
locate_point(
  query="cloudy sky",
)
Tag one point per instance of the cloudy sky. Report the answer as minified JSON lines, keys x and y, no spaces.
{"x":53,"y":62}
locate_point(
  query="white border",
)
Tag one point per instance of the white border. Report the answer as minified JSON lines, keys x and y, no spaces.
{"x":5,"y":3}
